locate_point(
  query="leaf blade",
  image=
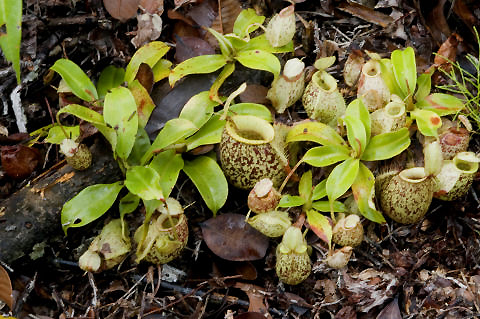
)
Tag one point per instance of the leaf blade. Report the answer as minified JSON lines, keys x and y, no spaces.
{"x":387,"y":145}
{"x":76,"y":79}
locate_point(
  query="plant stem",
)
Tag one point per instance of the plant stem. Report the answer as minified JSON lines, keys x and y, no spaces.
{"x":289,"y":175}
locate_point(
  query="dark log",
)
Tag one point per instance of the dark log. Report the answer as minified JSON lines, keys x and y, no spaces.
{"x":32,"y":214}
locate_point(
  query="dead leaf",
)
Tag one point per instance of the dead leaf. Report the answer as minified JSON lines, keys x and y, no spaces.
{"x":255,"y":93}
{"x":19,"y":161}
{"x":366,"y":13}
{"x":145,"y":77}
{"x":225,"y":20}
{"x":437,"y":23}
{"x":189,"y":47}
{"x":203,"y":13}
{"x":466,"y":14}
{"x":246,"y":269}
{"x":250,"y":315}
{"x":149,"y":29}
{"x":179,"y":3}
{"x":346,"y":312}
{"x":121,"y":9}
{"x":391,"y":311}
{"x":256,"y":296}
{"x":5,"y":288}
{"x":230,"y":237}
{"x":152,"y":6}
{"x":447,"y":53}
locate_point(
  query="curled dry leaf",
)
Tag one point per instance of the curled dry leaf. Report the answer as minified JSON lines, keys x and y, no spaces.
{"x":256,"y":296}
{"x":121,"y":9}
{"x":250,"y":315}
{"x":5,"y":288}
{"x":149,"y":29}
{"x":19,"y":161}
{"x":230,"y":237}
{"x":447,"y":53}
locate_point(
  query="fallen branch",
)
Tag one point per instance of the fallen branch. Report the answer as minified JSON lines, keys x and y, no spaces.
{"x":32,"y":214}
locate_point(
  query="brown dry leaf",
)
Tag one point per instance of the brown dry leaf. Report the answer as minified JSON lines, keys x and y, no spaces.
{"x":447,"y":53}
{"x":466,"y":14}
{"x":5,"y":288}
{"x":250,"y":315}
{"x":346,"y":312}
{"x":227,"y":15}
{"x":121,"y":9}
{"x":230,"y":237}
{"x":189,"y":47}
{"x":256,"y":296}
{"x":247,"y":270}
{"x":19,"y":161}
{"x":366,"y":13}
{"x":437,"y":23}
{"x":255,"y":93}
{"x":391,"y":311}
{"x":152,"y":6}
{"x":149,"y":29}
{"x":179,"y":3}
{"x":145,"y":77}
{"x":225,"y":19}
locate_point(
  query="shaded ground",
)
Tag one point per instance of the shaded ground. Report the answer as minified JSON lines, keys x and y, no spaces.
{"x":426,"y":270}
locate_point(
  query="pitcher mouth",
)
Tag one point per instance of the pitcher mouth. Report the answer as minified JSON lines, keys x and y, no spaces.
{"x":250,"y":129}
{"x":324,"y":81}
{"x":413,"y":175}
{"x":466,"y":162}
{"x":371,"y":68}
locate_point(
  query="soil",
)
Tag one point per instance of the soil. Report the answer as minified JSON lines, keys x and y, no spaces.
{"x":425,"y":270}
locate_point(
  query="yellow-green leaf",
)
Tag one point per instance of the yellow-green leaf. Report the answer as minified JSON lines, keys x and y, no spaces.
{"x":197,"y":65}
{"x":341,"y":178}
{"x":150,"y":54}
{"x":76,"y":79}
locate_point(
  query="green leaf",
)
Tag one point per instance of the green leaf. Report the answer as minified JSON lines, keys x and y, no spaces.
{"x":357,"y":137}
{"x":324,"y":63}
{"x":314,"y":132}
{"x":173,"y":131}
{"x":320,"y":225}
{"x":424,"y":86}
{"x":120,"y":112}
{"x":324,"y":206}
{"x":226,"y":72}
{"x":144,"y":102}
{"x":168,"y":165}
{"x":388,"y":77}
{"x":209,"y":180}
{"x":428,"y":122}
{"x":226,"y":47}
{"x":91,"y":203}
{"x":210,"y":133}
{"x":83,"y":113}
{"x":111,"y":77}
{"x":387,"y":145}
{"x":161,"y":70}
{"x":144,"y":182}
{"x":56,"y":134}
{"x":11,"y":22}
{"x":259,"y":60}
{"x":363,"y":189}
{"x":141,"y":145}
{"x":405,"y":70}
{"x":199,"y":64}
{"x":357,"y":109}
{"x":261,"y":43}
{"x":320,"y":190}
{"x":150,"y":54}
{"x":341,"y":178}
{"x":237,"y":42}
{"x":305,"y":186}
{"x":255,"y":109}
{"x":76,"y":79}
{"x":291,"y":201}
{"x":198,"y":109}
{"x":442,"y":104}
{"x":322,"y":156}
{"x":150,"y":208}
{"x":245,"y":22}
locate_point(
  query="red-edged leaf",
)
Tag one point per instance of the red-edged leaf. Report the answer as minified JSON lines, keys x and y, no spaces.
{"x":320,"y":225}
{"x":230,"y":237}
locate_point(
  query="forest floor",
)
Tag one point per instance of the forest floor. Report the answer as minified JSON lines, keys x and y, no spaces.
{"x":430,"y":269}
